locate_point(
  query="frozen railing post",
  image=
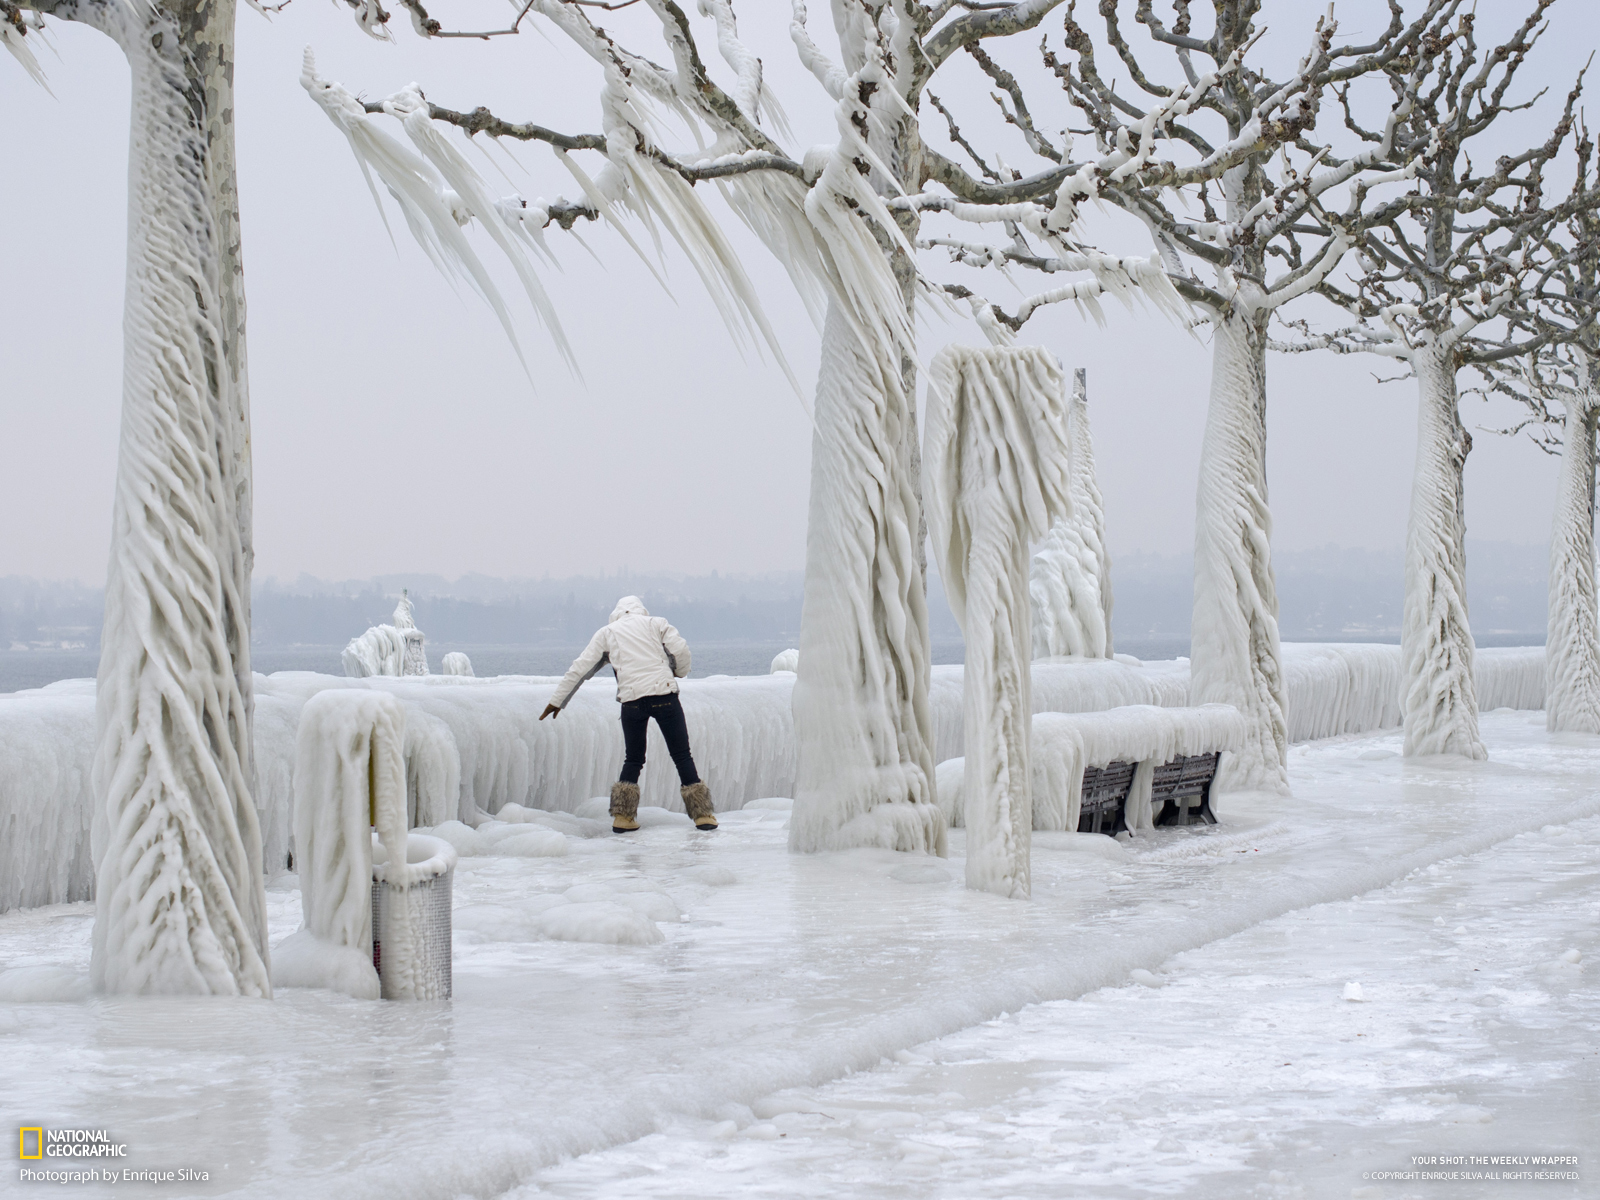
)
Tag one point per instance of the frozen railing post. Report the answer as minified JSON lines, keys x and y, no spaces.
{"x":372,"y":919}
{"x":996,"y":468}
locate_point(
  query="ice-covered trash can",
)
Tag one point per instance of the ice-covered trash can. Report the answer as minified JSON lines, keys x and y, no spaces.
{"x":411,"y":931}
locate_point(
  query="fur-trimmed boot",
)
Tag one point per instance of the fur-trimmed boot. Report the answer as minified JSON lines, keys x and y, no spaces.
{"x":624,"y":807}
{"x":697,"y":803}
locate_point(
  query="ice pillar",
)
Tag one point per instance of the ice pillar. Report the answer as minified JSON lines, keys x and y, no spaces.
{"x":996,"y":468}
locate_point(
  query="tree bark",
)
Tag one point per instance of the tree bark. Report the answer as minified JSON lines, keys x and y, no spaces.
{"x":1572,"y":649}
{"x":1235,"y":657}
{"x":180,"y":902}
{"x":1439,"y":704}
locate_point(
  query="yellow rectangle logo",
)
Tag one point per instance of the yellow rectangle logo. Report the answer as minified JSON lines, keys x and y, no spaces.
{"x":38,"y":1143}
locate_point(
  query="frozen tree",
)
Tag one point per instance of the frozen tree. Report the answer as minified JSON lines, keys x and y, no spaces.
{"x":1069,"y":580}
{"x":1572,"y":643}
{"x":1439,"y":284}
{"x":180,"y":904}
{"x":998,"y":466}
{"x":847,"y":222}
{"x":1559,"y":383}
{"x":1268,"y":233}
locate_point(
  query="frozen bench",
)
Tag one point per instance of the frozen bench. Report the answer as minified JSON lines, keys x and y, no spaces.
{"x":1125,"y":768}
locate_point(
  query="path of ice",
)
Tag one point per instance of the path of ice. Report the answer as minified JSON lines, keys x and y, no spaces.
{"x":791,"y":971}
{"x":1449,"y":1014}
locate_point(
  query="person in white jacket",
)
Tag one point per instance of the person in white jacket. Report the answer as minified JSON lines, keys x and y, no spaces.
{"x":648,"y":657}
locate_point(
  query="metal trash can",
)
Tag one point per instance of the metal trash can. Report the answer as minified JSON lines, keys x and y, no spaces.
{"x":411,"y":929}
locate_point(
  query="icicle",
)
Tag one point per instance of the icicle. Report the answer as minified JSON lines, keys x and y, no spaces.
{"x":1069,"y":579}
{"x":415,"y":186}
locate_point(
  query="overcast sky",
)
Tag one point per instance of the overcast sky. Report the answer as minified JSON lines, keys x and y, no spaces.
{"x":394,"y":429}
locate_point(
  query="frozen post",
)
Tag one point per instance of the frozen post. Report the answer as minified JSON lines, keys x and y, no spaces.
{"x":997,"y":462}
{"x":350,"y":778}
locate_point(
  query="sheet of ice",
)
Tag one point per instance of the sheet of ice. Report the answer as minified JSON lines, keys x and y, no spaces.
{"x":793,"y":970}
{"x":1438,"y":1016}
{"x":741,"y":728}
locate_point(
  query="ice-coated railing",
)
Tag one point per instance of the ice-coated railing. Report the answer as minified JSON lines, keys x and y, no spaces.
{"x":479,"y":743}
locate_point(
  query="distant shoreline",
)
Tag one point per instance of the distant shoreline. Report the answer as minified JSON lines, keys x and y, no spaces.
{"x":24,"y":669}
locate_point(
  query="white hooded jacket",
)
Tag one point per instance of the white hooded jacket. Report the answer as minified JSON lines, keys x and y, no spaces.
{"x":647,"y":654}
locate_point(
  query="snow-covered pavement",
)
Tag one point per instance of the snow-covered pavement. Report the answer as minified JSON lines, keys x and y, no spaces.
{"x":1188,"y":1030}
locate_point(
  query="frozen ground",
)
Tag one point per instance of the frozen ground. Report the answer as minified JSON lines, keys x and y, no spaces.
{"x":1178,"y":1015}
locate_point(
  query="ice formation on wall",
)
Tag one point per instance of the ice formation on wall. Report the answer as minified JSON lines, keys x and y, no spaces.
{"x":785,"y":660}
{"x":1572,"y":693}
{"x":179,"y":893}
{"x":46,"y":800}
{"x":398,"y":649}
{"x":1439,"y":703}
{"x":471,"y":746}
{"x":1069,"y":580}
{"x":997,"y":461}
{"x":456,"y":663}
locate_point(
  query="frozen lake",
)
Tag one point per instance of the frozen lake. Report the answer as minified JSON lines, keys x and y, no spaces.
{"x":1165,"y":1017}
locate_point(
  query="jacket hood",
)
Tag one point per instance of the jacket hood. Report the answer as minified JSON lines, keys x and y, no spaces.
{"x":629,"y":606}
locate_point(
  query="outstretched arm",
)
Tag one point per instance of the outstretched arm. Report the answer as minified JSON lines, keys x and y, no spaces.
{"x":583,"y":667}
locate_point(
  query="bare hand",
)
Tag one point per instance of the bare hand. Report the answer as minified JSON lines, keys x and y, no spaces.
{"x":550,"y":710}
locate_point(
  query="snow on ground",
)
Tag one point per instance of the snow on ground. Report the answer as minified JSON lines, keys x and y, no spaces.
{"x":675,"y":1007}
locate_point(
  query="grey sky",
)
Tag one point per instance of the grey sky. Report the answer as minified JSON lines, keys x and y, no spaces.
{"x":394,"y":428}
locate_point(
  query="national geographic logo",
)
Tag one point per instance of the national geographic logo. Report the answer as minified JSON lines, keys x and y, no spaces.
{"x":37,"y":1143}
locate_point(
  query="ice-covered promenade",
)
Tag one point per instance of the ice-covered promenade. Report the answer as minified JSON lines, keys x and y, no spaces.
{"x":1191,"y":1033}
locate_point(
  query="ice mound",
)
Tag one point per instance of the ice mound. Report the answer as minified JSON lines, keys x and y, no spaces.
{"x":42,"y":985}
{"x":463,"y":837}
{"x":304,"y":960}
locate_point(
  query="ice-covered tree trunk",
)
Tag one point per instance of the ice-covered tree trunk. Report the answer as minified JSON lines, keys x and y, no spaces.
{"x":1235,"y":657}
{"x":998,"y":465}
{"x":1572,"y":649}
{"x":1439,"y":703}
{"x":861,"y":712}
{"x":1070,"y":577}
{"x":180,"y":901}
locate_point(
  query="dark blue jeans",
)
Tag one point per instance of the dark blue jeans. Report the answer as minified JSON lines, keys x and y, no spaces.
{"x":668,"y":713}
